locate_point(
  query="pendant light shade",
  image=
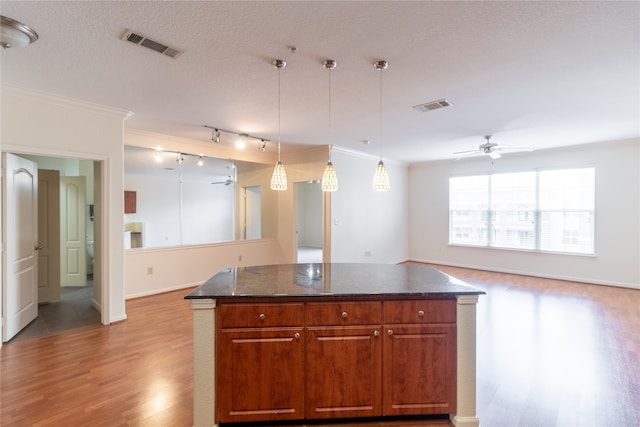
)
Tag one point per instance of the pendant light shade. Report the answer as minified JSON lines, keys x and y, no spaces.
{"x":381,"y":176}
{"x":329,"y":177}
{"x":279,"y":177}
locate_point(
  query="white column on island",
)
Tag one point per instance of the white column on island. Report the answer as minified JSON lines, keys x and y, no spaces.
{"x":465,"y":415}
{"x":204,"y":367}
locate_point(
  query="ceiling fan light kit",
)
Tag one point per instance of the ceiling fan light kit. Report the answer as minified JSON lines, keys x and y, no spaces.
{"x":491,"y":149}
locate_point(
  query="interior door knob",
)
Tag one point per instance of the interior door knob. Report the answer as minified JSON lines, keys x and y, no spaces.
{"x":39,"y":248}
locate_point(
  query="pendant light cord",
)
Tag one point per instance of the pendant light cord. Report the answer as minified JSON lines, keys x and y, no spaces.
{"x":330,"y":128}
{"x":279,"y":95}
{"x":380,"y":130}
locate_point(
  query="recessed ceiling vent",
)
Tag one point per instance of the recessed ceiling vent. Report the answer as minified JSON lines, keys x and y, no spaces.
{"x":140,"y":40}
{"x":430,"y":106}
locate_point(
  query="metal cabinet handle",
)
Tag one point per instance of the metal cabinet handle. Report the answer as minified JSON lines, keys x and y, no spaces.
{"x":262,"y":316}
{"x":344,"y":314}
{"x":376,"y":333}
{"x":421,"y":313}
{"x":390,"y":332}
{"x":296,"y":335}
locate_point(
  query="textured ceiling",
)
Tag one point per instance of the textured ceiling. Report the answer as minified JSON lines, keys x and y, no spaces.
{"x":539,"y":74}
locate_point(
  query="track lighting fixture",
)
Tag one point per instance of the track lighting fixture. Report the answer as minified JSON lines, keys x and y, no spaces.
{"x":200,"y":162}
{"x":215,"y":136}
{"x":262,"y":145}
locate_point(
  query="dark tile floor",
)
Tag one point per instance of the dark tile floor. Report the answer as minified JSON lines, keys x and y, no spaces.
{"x":74,"y":310}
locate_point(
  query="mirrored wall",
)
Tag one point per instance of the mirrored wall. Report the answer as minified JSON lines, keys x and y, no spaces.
{"x":179,"y":198}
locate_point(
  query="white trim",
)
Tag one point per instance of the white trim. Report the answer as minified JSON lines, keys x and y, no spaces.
{"x":162,"y":291}
{"x":203,"y":304}
{"x":464,"y":421}
{"x":62,"y":101}
{"x":531,"y":273}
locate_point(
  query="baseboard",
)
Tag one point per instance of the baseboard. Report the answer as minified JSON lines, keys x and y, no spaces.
{"x":96,"y":305}
{"x":532,"y":274}
{"x":162,"y":290}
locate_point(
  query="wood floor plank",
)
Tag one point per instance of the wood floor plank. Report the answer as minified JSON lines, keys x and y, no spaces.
{"x":550,"y":353}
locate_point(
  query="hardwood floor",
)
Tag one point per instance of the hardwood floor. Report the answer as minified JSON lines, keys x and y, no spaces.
{"x":550,"y":353}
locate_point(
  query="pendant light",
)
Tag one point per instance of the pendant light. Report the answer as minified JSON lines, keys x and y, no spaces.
{"x":279,"y":177}
{"x":381,"y":176}
{"x":329,"y":177}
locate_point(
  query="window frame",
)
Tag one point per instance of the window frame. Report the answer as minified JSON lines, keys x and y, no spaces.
{"x":487,"y":237}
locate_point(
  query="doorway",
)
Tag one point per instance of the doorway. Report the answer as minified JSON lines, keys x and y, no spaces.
{"x":309,"y":239}
{"x":64,"y":303}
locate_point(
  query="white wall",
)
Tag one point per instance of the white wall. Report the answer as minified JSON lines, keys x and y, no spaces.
{"x":42,"y":124}
{"x":364,"y":220}
{"x":617,"y":216}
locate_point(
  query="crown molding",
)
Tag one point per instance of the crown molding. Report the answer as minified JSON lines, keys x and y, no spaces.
{"x":54,"y":99}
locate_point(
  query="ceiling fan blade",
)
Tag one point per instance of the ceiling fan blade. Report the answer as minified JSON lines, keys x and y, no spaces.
{"x":511,"y":148}
{"x":465,"y":152}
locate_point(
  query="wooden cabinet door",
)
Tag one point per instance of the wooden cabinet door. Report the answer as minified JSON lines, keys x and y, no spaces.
{"x":260,"y":374}
{"x":419,"y":369}
{"x":344,"y":372}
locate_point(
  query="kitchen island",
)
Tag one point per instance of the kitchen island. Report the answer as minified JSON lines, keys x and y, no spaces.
{"x":319,"y":341}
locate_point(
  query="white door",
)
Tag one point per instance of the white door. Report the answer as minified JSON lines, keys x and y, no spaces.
{"x":20,"y":232}
{"x":48,"y":235}
{"x":253,"y":217}
{"x":73,"y":240}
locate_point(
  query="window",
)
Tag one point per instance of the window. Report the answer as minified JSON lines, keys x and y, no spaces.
{"x":549,"y":210}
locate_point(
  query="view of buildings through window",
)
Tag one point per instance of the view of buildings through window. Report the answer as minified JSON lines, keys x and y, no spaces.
{"x":548,"y":210}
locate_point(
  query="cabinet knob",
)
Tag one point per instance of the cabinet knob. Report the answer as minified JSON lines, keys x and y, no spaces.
{"x":390,"y":332}
{"x":344,"y":314}
{"x":376,"y":333}
{"x":262,"y":316}
{"x":421,"y":313}
{"x":296,"y":335}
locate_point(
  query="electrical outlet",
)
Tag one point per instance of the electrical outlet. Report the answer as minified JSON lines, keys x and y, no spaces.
{"x":239,"y":257}
{"x":149,"y":270}
{"x":367,"y":253}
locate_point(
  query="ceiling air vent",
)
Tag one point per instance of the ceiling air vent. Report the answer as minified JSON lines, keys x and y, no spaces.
{"x":140,"y":40}
{"x":430,"y":106}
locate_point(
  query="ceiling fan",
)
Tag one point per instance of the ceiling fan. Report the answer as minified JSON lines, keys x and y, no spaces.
{"x":491,"y":149}
{"x":227,"y":181}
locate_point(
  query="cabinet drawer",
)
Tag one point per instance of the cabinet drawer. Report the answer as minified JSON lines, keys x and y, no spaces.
{"x":343,"y":313}
{"x":260,"y":315}
{"x":419,"y":311}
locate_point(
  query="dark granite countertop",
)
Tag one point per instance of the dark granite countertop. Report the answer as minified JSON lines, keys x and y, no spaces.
{"x":332,"y":280}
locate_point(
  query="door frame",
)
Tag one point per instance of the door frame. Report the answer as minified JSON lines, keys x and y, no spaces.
{"x":325,"y":213}
{"x":101,"y":229}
